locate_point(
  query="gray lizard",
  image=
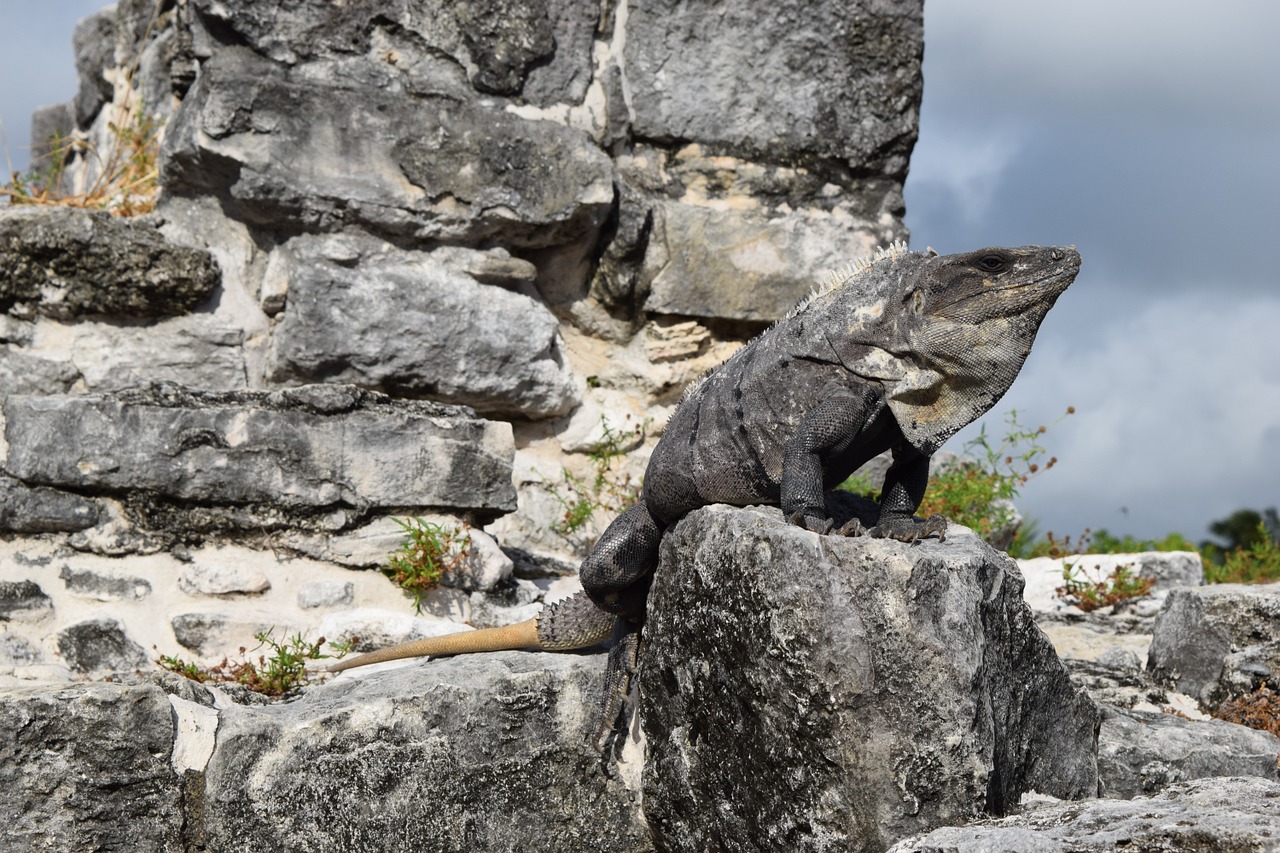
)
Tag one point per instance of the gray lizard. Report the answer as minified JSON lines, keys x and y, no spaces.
{"x":896,"y":354}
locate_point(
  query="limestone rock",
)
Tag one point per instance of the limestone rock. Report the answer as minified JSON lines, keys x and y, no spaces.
{"x":706,"y":262}
{"x":98,"y":585}
{"x":66,"y":263}
{"x":217,"y":578}
{"x":1232,"y":814}
{"x":100,"y":647}
{"x":24,"y":509}
{"x":886,"y":688}
{"x":326,"y":593}
{"x":495,"y":760}
{"x":1200,"y":629}
{"x":835,"y":82}
{"x":1140,"y":752}
{"x":282,"y":143}
{"x":298,"y":450}
{"x":415,"y":324}
{"x":199,"y":351}
{"x":23,"y":601}
{"x":86,"y":767}
{"x":23,"y":373}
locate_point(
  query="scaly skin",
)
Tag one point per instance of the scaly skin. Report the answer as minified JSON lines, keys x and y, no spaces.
{"x":898,"y":356}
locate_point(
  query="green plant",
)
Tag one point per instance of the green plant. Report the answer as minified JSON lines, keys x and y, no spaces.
{"x":1102,"y":542}
{"x":279,"y":670}
{"x":427,"y":552}
{"x":1118,"y":586}
{"x":609,"y":489}
{"x":1258,"y":562}
{"x":977,"y":488}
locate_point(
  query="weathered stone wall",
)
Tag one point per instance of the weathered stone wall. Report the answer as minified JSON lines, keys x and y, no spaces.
{"x":554,"y":212}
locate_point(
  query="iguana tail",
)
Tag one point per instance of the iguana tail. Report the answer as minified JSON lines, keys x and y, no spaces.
{"x":574,"y":623}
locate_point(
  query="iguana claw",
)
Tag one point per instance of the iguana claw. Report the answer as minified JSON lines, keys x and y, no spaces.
{"x":852,"y":527}
{"x":821,"y":526}
{"x":909,"y":530}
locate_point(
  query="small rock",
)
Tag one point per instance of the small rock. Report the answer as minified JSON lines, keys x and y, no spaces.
{"x":100,"y":647}
{"x":326,"y":593}
{"x":218,"y":579}
{"x":23,"y":601}
{"x":104,"y":586}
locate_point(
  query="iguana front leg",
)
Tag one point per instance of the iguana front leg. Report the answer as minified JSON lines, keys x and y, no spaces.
{"x":826,"y":432}
{"x":904,"y":486}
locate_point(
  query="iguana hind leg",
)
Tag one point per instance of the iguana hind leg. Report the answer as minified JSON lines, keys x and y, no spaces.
{"x":624,"y":660}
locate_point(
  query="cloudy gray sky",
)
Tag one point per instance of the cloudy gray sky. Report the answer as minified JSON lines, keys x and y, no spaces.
{"x":1146,"y":132}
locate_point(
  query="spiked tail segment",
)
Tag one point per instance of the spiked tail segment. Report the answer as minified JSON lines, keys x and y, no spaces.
{"x":574,"y":623}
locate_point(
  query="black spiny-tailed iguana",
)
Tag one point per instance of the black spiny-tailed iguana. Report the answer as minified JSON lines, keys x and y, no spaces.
{"x":898,"y":354}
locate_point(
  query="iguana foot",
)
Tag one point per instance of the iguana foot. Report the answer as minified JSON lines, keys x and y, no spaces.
{"x":624,"y":660}
{"x":821,"y":526}
{"x":909,"y":530}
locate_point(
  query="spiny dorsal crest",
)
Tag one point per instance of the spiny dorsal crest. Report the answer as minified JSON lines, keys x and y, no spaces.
{"x":834,"y":278}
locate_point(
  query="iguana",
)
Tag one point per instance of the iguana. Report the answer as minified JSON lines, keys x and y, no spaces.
{"x":896,"y":354}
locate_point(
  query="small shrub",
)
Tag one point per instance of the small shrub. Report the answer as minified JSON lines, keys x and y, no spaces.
{"x":1119,"y":586}
{"x":428,"y":551}
{"x":127,"y":178}
{"x":279,"y":670}
{"x":1258,"y":710}
{"x":1257,"y":563}
{"x":608,"y":490}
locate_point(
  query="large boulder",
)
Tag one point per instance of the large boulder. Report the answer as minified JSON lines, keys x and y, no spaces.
{"x":295,"y":454}
{"x":1232,"y":815}
{"x":845,"y":693}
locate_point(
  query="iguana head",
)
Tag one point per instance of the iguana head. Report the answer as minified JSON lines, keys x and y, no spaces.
{"x":945,"y":336}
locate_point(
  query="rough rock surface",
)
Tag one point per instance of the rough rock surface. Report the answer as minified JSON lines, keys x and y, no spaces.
{"x":1217,"y":642}
{"x":1232,"y":815}
{"x":65,"y":263}
{"x":1141,"y":752}
{"x":86,"y":767}
{"x":416,"y":324}
{"x":306,"y":449}
{"x":886,"y":688}
{"x":282,"y":143}
{"x":487,"y":753}
{"x":43,"y":510}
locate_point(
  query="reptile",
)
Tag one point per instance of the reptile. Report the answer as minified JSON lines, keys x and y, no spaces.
{"x":896,"y":354}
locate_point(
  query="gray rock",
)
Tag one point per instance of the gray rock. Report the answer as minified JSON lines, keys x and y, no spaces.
{"x":744,"y":265}
{"x":24,"y":509}
{"x":534,"y":50}
{"x":94,"y":43}
{"x":66,"y":263}
{"x":200,"y":351}
{"x":1235,"y":815}
{"x":283,"y":143}
{"x":783,"y":82}
{"x":86,"y":767}
{"x":886,"y":688}
{"x":299,"y":450}
{"x":47,"y":125}
{"x":219,"y":578}
{"x":495,"y":761}
{"x":1199,"y":628}
{"x":1140,"y":752}
{"x":22,"y":373}
{"x":100,"y":647}
{"x":23,"y":601}
{"x":100,"y":585}
{"x":415,"y":324}
{"x":326,"y":593}
{"x":18,"y":651}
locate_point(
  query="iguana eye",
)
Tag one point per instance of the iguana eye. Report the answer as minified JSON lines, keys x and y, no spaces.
{"x":993,"y":263}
